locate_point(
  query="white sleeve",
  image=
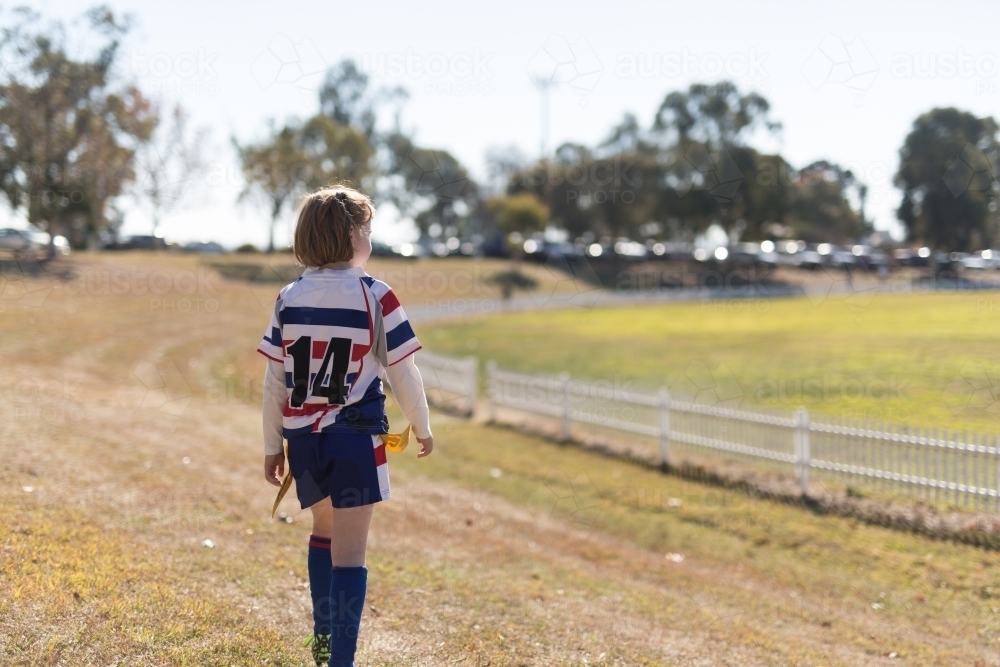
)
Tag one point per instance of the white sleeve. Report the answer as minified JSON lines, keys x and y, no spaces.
{"x":408,"y":388}
{"x":275,"y":396}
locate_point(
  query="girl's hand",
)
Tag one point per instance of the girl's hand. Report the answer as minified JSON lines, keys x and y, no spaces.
{"x":426,"y":446}
{"x":274,"y":468}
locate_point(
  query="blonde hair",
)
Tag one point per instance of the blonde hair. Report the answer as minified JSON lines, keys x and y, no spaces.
{"x":326,"y":219}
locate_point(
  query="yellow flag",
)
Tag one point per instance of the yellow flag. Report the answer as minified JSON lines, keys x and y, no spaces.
{"x":397,"y":442}
{"x":285,"y":485}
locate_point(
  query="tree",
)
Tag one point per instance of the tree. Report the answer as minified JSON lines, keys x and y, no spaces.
{"x":522,"y":213}
{"x":275,"y":170}
{"x":67,"y":134}
{"x":502,"y":164}
{"x":702,"y":136}
{"x":167,"y":164}
{"x":300,"y":157}
{"x":819,"y":209}
{"x":336,"y":153}
{"x":345,"y":97}
{"x":558,"y":183}
{"x":429,"y":185}
{"x":716,"y":115}
{"x":948,"y":175}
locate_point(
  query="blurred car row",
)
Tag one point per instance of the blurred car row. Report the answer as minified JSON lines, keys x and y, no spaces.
{"x":796,"y":254}
{"x":157,"y":242}
{"x":772,"y":254}
{"x":24,"y":240}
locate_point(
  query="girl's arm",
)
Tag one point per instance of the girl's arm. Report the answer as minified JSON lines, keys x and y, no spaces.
{"x":408,"y":388}
{"x":275,"y":396}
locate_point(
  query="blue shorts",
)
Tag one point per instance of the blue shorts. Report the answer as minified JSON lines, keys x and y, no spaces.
{"x":350,"y":468}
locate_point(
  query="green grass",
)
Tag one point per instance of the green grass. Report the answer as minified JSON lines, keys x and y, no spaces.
{"x":924,"y":359}
{"x":869,"y":587}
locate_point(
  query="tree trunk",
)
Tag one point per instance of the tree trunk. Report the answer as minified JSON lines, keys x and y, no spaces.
{"x":275,"y":212}
{"x":270,"y":240}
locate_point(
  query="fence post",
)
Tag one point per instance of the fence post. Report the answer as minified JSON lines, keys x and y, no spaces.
{"x":472,"y":382}
{"x":664,"y":427}
{"x":564,"y":377}
{"x":491,"y":389}
{"x":802,"y":456}
{"x":996,"y":472}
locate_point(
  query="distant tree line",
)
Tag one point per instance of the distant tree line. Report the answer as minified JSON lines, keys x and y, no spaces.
{"x":691,"y":168}
{"x":75,"y":139}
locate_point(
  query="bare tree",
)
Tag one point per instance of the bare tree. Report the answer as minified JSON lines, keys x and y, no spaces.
{"x":168,"y":166}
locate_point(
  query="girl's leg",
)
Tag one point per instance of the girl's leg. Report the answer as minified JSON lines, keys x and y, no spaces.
{"x":322,"y":515}
{"x":351,"y":544}
{"x":319,"y":565}
{"x":348,"y":581}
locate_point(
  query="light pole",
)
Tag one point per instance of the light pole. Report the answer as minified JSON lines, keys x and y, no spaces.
{"x":543,"y":84}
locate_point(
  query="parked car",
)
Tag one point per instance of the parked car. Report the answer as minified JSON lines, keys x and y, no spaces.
{"x":869,"y":257}
{"x":138,"y":242}
{"x":807,"y":259}
{"x":382,"y":250}
{"x":983,"y":260}
{"x":26,"y":241}
{"x":918,"y":257}
{"x":205,"y":247}
{"x":540,"y":250}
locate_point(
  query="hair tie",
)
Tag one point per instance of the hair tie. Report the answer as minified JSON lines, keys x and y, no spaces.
{"x":341,"y":198}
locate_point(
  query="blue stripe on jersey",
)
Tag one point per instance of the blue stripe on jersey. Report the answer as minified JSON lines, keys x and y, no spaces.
{"x":369,"y":280}
{"x":402,"y":333}
{"x":289,"y":382}
{"x":275,"y":338}
{"x":325,"y":317}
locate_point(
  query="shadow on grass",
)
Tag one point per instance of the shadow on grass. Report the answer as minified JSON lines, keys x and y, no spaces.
{"x":278,"y":272}
{"x":15,"y":268}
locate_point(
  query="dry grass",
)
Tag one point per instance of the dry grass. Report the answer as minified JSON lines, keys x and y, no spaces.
{"x":137,"y":430}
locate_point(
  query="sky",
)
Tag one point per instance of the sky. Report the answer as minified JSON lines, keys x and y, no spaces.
{"x":845,"y":79}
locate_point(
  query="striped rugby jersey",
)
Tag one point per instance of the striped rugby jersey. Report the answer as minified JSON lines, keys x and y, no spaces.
{"x":324,"y":332}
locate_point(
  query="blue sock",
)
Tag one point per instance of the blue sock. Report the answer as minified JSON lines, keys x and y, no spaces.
{"x":347,"y":598}
{"x":319,"y":582}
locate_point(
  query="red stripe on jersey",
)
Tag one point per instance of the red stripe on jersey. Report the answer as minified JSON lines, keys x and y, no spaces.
{"x":389,"y":303}
{"x":380,"y":455}
{"x":358,"y":351}
{"x":285,"y":344}
{"x":269,"y":356}
{"x":416,"y":349}
{"x":319,"y":349}
{"x":307,"y":409}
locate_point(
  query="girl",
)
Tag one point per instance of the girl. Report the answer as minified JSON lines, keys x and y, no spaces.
{"x":332,"y":333}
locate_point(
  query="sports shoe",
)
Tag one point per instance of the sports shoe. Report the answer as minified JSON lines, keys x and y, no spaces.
{"x":320,"y":648}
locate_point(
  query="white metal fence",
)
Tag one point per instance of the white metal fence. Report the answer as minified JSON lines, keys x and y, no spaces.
{"x":944,"y":466}
{"x":450,"y":382}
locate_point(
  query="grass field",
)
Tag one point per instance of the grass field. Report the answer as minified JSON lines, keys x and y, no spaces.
{"x":129,"y":435}
{"x":926,"y":359}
